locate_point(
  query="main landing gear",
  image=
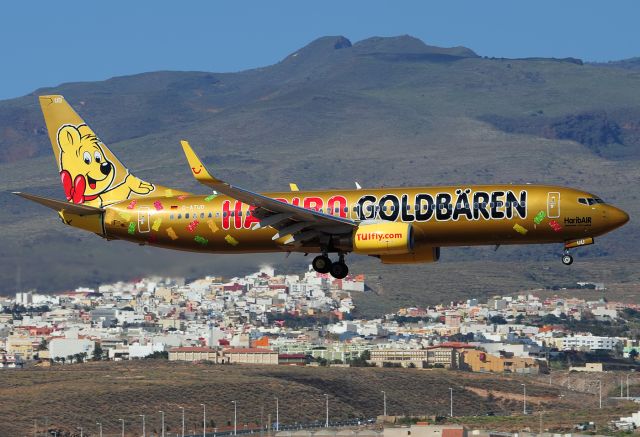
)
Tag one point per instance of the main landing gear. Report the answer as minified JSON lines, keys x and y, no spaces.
{"x":338,"y":269}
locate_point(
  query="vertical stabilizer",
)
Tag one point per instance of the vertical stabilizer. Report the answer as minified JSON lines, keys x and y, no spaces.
{"x":90,"y":173}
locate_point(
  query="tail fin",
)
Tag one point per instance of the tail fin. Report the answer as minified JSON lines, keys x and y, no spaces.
{"x":90,"y":173}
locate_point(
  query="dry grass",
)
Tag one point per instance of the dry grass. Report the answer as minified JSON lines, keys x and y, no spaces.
{"x":85,"y":394}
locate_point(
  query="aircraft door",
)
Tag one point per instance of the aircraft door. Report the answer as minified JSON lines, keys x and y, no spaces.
{"x":553,"y":205}
{"x":143,"y":219}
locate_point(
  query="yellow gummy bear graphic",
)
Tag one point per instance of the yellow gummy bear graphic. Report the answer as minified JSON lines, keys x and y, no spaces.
{"x":156,"y":224}
{"x":519,"y":229}
{"x":232,"y":241}
{"x":172,"y":234}
{"x":212,"y":225}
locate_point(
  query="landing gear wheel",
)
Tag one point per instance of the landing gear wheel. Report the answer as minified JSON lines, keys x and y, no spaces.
{"x":321,"y":264}
{"x":567,"y":259}
{"x":339,"y":270}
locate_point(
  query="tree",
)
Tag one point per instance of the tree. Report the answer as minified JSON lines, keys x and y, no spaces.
{"x":43,"y":345}
{"x":97,"y":352}
{"x":633,"y":354}
{"x":70,"y":359}
{"x":498,"y":320}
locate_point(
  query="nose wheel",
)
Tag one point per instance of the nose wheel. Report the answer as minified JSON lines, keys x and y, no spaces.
{"x":337,"y":269}
{"x":567,"y":259}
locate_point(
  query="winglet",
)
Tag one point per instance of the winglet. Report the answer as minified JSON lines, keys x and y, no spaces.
{"x":198,"y":169}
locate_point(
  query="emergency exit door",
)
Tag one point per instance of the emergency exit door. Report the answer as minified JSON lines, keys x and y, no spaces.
{"x":553,"y":205}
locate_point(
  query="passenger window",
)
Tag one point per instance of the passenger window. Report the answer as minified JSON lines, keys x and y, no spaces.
{"x":225,"y":213}
{"x":202,"y":215}
{"x":179,"y":216}
{"x":346,"y":209}
{"x":186,"y":215}
{"x":239,"y":213}
{"x":370,"y":208}
{"x":171,"y":217}
{"x":337,"y":210}
{"x":218,"y":214}
{"x":210,"y":215}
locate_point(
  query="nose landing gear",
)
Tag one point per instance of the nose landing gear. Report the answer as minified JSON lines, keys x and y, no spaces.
{"x":338,"y":269}
{"x":567,"y":259}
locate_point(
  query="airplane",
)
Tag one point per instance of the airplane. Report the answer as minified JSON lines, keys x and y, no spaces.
{"x":396,"y":225}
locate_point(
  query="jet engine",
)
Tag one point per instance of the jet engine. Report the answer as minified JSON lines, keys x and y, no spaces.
{"x":420,"y":254}
{"x":383,"y":238}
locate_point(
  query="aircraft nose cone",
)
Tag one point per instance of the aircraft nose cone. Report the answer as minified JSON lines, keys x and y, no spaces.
{"x":616,"y":217}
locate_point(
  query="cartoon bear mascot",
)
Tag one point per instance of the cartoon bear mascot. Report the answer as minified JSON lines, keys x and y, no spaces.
{"x":86,"y":173}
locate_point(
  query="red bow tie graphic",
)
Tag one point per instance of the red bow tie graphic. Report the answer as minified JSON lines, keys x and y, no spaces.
{"x":74,"y":190}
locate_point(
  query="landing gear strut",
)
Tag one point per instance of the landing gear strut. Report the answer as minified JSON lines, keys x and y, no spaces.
{"x":322,"y":264}
{"x":567,"y":259}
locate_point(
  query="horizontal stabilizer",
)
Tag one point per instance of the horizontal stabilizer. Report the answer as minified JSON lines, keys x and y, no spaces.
{"x":60,"y":205}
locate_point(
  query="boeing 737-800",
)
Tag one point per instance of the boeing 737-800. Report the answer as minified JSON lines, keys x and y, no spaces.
{"x":396,"y":225}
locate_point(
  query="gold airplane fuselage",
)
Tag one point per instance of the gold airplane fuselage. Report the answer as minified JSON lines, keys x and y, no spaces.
{"x":463,"y":215}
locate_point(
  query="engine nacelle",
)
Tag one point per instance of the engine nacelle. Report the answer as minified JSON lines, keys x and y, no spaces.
{"x":420,"y":254}
{"x":383,"y":238}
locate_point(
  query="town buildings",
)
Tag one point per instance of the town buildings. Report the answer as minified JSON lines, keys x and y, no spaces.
{"x":268,"y":318}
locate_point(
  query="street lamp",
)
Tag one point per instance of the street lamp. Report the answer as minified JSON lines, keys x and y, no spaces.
{"x":80,"y":428}
{"x":182,"y":408}
{"x":384,"y":403}
{"x":235,"y":417}
{"x":204,"y":420}
{"x":144,"y":433}
{"x":600,"y":391}
{"x":451,"y":402}
{"x":100,"y":425}
{"x":628,"y":374}
{"x":162,"y":412}
{"x":122,"y":420}
{"x":326,"y":423}
{"x":277,"y":414}
{"x":524,"y":398}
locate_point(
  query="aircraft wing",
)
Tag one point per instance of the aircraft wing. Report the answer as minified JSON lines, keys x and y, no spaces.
{"x":301,"y":224}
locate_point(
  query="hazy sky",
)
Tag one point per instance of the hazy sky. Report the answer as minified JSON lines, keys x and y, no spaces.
{"x":45,"y":43}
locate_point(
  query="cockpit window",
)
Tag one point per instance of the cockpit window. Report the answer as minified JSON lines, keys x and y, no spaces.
{"x":590,"y":200}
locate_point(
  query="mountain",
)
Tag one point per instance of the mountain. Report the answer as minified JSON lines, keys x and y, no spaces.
{"x":382,"y":111}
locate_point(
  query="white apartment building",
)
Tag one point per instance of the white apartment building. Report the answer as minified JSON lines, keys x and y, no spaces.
{"x":589,"y":342}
